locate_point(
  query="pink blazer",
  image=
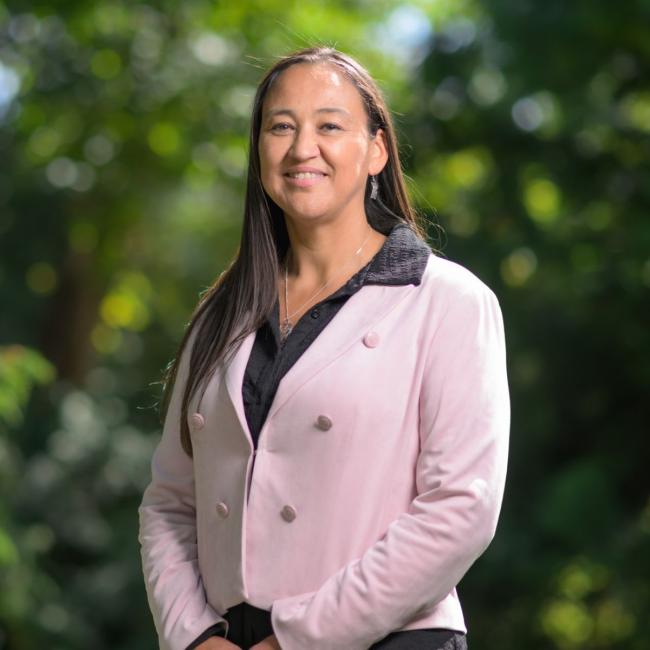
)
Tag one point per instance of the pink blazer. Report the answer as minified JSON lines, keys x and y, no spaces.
{"x":377,"y":482}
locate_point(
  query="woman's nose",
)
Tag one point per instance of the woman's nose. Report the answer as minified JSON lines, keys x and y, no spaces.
{"x":305,"y":144}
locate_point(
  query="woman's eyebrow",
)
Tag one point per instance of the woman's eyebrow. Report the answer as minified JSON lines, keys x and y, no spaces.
{"x":288,"y":111}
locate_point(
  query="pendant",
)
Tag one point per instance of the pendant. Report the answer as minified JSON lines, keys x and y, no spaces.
{"x":285,"y":329}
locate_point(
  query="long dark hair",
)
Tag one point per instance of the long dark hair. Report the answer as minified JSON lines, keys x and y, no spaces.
{"x":244,"y":294}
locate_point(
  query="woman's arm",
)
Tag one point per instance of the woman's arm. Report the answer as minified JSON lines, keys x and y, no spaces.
{"x":460,"y":474}
{"x":167,"y":534}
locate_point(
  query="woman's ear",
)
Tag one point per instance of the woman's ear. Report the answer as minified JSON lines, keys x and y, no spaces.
{"x":378,"y":153}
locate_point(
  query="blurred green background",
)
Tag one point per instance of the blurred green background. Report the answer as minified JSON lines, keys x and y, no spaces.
{"x":525,"y":134}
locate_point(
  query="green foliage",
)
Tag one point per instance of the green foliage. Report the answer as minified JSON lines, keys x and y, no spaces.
{"x":20,"y":369}
{"x":524,"y":133}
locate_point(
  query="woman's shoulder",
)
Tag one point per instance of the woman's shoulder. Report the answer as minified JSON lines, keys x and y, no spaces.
{"x":443,"y":277}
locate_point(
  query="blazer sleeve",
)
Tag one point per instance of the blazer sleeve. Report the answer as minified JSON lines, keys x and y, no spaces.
{"x":167,"y":534}
{"x":464,"y":410}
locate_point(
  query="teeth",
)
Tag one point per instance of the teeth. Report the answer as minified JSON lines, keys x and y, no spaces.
{"x":306,"y":175}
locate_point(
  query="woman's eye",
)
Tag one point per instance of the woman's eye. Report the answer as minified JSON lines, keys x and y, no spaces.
{"x":283,"y":127}
{"x":280,"y":126}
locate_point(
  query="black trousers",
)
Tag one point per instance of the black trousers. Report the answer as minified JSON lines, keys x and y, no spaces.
{"x":248,"y":625}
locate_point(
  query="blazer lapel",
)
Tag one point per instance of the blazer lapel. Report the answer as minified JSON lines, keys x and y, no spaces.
{"x":360,"y":312}
{"x":363,"y":309}
{"x":234,"y":378}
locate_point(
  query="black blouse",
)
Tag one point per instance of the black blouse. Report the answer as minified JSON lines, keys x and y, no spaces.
{"x":401,"y":260}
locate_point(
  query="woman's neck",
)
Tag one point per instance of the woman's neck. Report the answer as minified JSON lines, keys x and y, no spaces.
{"x":318,"y":254}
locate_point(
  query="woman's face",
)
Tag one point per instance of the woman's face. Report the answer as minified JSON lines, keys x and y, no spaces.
{"x":315,"y":149}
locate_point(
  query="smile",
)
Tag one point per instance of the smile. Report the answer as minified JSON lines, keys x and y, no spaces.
{"x":305,"y":179}
{"x":305,"y":175}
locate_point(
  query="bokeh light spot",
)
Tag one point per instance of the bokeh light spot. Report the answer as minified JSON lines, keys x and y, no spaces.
{"x":41,"y":278}
{"x":164,"y":138}
{"x":635,"y":109}
{"x":568,"y":623}
{"x":542,"y":200}
{"x":106,"y":64}
{"x":466,"y":169}
{"x":517,"y":267}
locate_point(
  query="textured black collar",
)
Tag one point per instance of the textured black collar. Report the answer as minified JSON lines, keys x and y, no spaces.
{"x":401,"y":260}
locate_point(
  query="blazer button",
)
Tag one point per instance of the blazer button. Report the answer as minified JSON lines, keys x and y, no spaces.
{"x":323,"y":422}
{"x":198,"y":421}
{"x":288,"y":513}
{"x":371,"y":339}
{"x":222,"y":509}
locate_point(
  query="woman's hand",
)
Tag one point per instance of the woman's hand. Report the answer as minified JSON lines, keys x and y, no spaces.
{"x":217,"y":643}
{"x":270,"y":643}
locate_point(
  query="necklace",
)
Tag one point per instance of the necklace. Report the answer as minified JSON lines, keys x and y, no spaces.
{"x":286,"y":327}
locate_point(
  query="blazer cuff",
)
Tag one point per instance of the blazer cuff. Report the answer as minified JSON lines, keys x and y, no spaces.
{"x":218,"y":629}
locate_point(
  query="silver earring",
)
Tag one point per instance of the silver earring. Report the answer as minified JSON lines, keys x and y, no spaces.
{"x":375,"y":187}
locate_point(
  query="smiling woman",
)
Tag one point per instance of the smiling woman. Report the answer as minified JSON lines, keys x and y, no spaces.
{"x":315,"y":135}
{"x":334,"y":448}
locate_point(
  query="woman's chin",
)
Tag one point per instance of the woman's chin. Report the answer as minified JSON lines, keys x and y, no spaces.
{"x":306,"y":213}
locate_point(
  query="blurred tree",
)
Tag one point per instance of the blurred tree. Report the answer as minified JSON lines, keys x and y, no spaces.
{"x":123,"y":129}
{"x":533,"y":132}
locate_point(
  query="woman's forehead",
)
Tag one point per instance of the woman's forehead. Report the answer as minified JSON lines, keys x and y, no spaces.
{"x":318,"y":73}
{"x":313,"y":85}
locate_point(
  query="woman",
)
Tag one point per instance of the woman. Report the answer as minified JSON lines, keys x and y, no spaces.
{"x":334,"y":451}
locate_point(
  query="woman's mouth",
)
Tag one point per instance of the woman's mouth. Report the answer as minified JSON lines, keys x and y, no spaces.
{"x":304,"y":179}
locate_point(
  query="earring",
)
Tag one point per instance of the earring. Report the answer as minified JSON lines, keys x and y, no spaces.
{"x":375,"y":187}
